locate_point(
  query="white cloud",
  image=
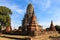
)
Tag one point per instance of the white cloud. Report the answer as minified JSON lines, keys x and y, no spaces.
{"x":48,"y":4}
{"x":44,"y":4}
{"x":13,"y":7}
{"x":55,"y":16}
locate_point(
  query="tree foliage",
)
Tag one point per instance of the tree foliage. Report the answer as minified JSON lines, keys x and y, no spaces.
{"x":57,"y":27}
{"x":5,"y":19}
{"x":5,"y":10}
{"x":47,"y":29}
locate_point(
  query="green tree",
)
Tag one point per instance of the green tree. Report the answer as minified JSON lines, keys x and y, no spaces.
{"x":57,"y":27}
{"x":4,"y":10}
{"x":5,"y":19}
{"x":47,"y":29}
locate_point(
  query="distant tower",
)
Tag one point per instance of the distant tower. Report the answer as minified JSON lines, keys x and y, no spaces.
{"x":52,"y":27}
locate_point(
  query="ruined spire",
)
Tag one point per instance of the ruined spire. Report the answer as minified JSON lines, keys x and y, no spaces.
{"x":30,"y":6}
{"x":52,"y":27}
{"x":30,"y":9}
{"x":52,"y":23}
{"x":29,"y":25}
{"x":28,"y":15}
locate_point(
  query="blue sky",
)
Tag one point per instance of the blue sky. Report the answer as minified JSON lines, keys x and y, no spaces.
{"x":45,"y":11}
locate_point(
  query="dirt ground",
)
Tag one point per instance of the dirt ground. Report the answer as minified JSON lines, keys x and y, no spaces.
{"x":45,"y":36}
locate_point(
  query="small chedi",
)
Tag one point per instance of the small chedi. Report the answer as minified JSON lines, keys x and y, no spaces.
{"x":7,"y":29}
{"x":29,"y":24}
{"x":52,"y":27}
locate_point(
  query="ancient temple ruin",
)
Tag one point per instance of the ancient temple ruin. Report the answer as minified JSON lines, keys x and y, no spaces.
{"x":52,"y":27}
{"x":8,"y":29}
{"x":29,"y":24}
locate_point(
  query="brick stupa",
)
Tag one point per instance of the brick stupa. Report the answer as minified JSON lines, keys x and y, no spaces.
{"x":29,"y":24}
{"x":52,"y":27}
{"x":8,"y":29}
{"x":33,"y":28}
